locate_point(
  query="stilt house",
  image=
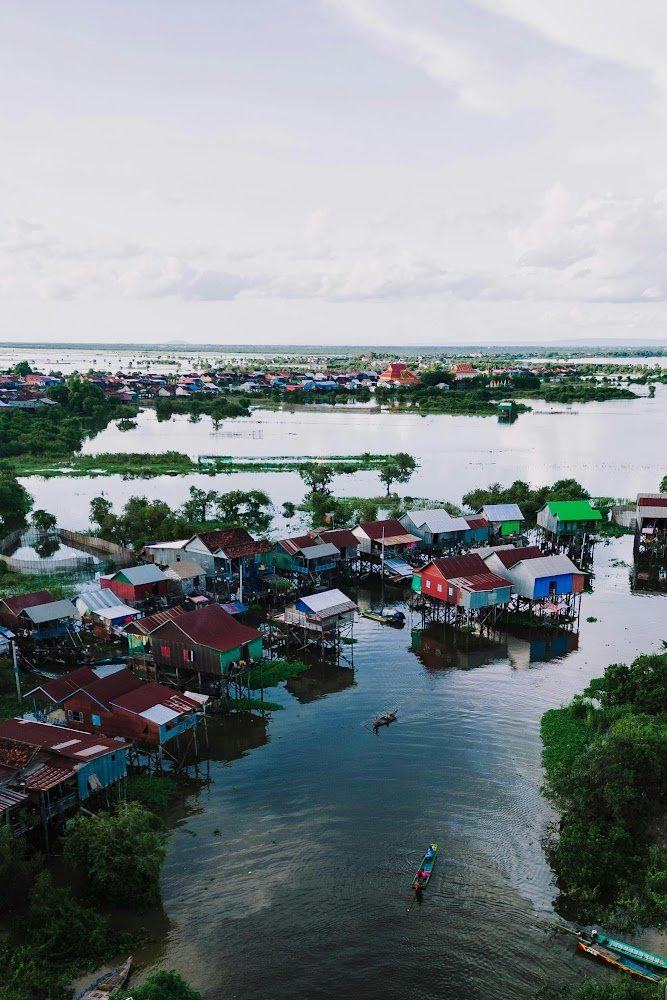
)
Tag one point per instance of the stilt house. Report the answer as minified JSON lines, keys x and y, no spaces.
{"x":462,"y":581}
{"x":568,"y":517}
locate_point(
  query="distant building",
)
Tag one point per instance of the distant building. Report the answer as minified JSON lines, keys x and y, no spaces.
{"x":136,"y":583}
{"x":504,"y":519}
{"x":398,"y":373}
{"x":464,"y":371}
{"x":204,"y":641}
{"x":437,"y":528}
{"x":534,"y":575}
{"x":388,"y":535}
{"x":462,"y":581}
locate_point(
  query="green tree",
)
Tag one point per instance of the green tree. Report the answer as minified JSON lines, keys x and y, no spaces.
{"x":397,"y":469}
{"x":118,"y":855}
{"x":22,"y":369}
{"x":160,"y":986}
{"x":43,"y":520}
{"x":318,"y":477}
{"x":289,"y":510}
{"x":199,"y":505}
{"x":17,"y":869}
{"x":15,"y":501}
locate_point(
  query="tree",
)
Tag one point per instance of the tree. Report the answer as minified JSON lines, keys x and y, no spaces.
{"x":22,"y":369}
{"x":318,"y":477}
{"x":118,"y":855}
{"x":17,"y":869}
{"x":397,"y":469}
{"x":162,"y":985}
{"x":43,"y":521}
{"x":15,"y":501}
{"x":200,"y":502}
{"x":289,"y":510}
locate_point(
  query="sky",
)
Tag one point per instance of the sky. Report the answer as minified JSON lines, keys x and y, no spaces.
{"x":333,"y":171}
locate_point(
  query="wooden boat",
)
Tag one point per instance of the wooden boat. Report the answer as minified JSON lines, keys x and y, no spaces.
{"x":385,"y":719}
{"x":619,"y":961}
{"x":105,"y":987}
{"x":427,"y":867}
{"x":644,"y":957}
{"x":396,"y":618}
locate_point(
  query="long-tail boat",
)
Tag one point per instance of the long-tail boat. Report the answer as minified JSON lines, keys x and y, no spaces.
{"x":421,"y":880}
{"x":631,"y":950}
{"x":395,"y":618}
{"x":619,"y":961}
{"x":105,"y":987}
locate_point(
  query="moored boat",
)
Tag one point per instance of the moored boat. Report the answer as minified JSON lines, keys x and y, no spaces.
{"x":423,"y":874}
{"x":396,"y":618}
{"x":631,"y":950}
{"x":619,"y":961}
{"x":105,"y":987}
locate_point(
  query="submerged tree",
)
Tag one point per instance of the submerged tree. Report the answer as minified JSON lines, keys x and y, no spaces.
{"x":397,"y":469}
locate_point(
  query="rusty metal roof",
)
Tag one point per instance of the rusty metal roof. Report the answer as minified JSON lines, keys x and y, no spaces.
{"x":22,"y":601}
{"x":342,"y":538}
{"x":61,"y":687}
{"x":149,"y":695}
{"x":210,"y":626}
{"x":144,"y":626}
{"x":511,"y":556}
{"x":44,"y":777}
{"x":479,"y":581}
{"x":233,"y":542}
{"x":67,"y":743}
{"x":10,"y":798}
{"x":391,"y":529}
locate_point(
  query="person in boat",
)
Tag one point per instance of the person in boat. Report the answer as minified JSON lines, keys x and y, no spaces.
{"x":421,"y":876}
{"x":429,"y":853}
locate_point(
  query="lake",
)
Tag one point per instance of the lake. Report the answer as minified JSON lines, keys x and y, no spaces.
{"x":612,"y":448}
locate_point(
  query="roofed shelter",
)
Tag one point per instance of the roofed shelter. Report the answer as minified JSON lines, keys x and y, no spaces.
{"x":568,"y":517}
{"x":378,"y":537}
{"x":504,"y":519}
{"x":204,"y":641}
{"x":136,"y":584}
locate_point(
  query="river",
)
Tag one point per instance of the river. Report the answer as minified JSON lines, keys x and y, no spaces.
{"x":304,"y":890}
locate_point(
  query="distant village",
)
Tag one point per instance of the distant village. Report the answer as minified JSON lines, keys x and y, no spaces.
{"x":29,"y":391}
{"x":126,"y":672}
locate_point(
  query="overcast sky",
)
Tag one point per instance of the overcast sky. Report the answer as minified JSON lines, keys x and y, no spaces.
{"x":333,"y":171}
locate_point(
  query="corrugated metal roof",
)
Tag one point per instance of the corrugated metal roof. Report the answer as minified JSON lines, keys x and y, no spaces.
{"x":342,"y":538}
{"x":107,"y":689}
{"x":328,"y":601}
{"x":96,"y":599}
{"x":147,"y":696}
{"x":27,"y":734}
{"x":510,"y":556}
{"x":233,"y":542}
{"x":450,"y":566}
{"x":159,"y":714}
{"x":45,"y":777}
{"x":144,"y":626}
{"x":437,"y":520}
{"x":136,"y":575}
{"x":556,"y":565}
{"x":61,"y":687}
{"x":390,"y":529}
{"x":10,"y":798}
{"x":319,"y":551}
{"x":480,"y":582}
{"x":22,"y":601}
{"x":502,"y":512}
{"x":210,"y":626}
{"x":573,"y":510}
{"x":116,"y":611}
{"x":652,"y":500}
{"x":50,"y":612}
{"x":167,"y":545}
{"x":185,"y":569}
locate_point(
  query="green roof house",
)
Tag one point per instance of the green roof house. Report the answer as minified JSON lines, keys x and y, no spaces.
{"x":568,"y":517}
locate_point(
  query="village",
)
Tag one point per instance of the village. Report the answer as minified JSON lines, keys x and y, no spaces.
{"x":126,"y":673}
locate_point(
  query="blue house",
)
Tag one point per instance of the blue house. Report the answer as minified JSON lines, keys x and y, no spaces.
{"x":535,"y":576}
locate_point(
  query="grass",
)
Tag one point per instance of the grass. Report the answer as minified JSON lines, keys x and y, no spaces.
{"x":152,"y":790}
{"x":60,"y":585}
{"x":135,"y":465}
{"x":272,"y":672}
{"x":248,"y":705}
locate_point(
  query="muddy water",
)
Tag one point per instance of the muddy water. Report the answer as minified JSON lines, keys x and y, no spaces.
{"x":304,"y":889}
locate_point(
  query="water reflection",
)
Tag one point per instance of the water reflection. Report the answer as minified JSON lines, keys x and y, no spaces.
{"x":233,"y":736}
{"x":319,"y":681}
{"x":440,"y":647}
{"x":528,"y":646}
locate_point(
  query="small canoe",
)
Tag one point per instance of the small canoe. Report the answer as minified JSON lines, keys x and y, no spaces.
{"x":420,"y":882}
{"x":619,"y":961}
{"x":105,"y":987}
{"x":396,"y":618}
{"x":645,"y":957}
{"x":385,"y":720}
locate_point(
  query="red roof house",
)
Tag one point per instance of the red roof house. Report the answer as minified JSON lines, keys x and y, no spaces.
{"x":463,"y":581}
{"x":206,"y":640}
{"x":398,"y":373}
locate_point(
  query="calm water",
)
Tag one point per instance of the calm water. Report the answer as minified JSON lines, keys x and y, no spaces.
{"x":305,"y":892}
{"x":614,"y":449}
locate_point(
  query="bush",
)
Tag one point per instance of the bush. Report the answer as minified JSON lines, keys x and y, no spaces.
{"x":160,"y":986}
{"x":118,"y":855}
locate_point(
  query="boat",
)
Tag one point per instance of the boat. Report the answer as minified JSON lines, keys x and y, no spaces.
{"x":619,"y":961}
{"x":645,"y":957}
{"x":105,"y":987}
{"x":427,"y":867}
{"x":385,"y":719}
{"x":396,"y":618}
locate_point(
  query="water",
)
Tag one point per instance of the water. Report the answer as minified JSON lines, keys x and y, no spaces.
{"x":305,"y":892}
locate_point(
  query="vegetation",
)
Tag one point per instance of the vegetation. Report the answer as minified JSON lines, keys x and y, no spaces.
{"x":529,"y":500}
{"x":118,"y":855}
{"x":397,"y":469}
{"x":605,"y":761}
{"x":15,"y":501}
{"x":160,"y":985}
{"x":57,"y":430}
{"x":271,"y":672}
{"x":155,"y":791}
{"x":143,"y":520}
{"x":44,"y":521}
{"x":620,"y":988}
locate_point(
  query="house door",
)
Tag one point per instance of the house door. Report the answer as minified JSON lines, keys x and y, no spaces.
{"x":553,"y":587}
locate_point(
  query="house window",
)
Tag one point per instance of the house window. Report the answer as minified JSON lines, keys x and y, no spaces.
{"x":189,"y":655}
{"x":96,"y":720}
{"x":439,"y":588}
{"x":164,"y":650}
{"x":75,"y":716}
{"x":451,"y":591}
{"x":428,"y":584}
